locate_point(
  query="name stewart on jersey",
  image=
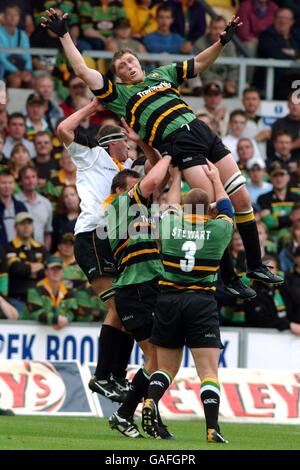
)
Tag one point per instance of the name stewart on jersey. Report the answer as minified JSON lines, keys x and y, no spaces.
{"x":192,"y":254}
{"x":153,"y":107}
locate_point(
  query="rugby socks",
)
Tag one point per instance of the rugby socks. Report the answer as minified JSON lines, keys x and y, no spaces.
{"x":226,"y":267}
{"x":138,"y":390}
{"x":108,"y":344}
{"x":246,"y":224}
{"x":210,"y":397}
{"x":122,"y":354}
{"x":160,"y":381}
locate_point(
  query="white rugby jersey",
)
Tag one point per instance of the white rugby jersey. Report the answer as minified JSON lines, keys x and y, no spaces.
{"x":95,"y":172}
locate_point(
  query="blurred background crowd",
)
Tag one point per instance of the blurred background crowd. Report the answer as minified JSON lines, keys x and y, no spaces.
{"x":39,"y":203}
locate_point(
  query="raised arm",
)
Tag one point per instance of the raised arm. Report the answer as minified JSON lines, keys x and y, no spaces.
{"x":150,"y":153}
{"x":58,"y":24}
{"x":207,"y":57}
{"x":155,"y":177}
{"x":174,"y":194}
{"x":66,"y":128}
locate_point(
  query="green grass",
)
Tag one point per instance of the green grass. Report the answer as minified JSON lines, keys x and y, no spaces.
{"x":61,"y":433}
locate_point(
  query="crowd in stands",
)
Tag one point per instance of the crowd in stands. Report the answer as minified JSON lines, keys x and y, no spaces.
{"x":39,"y":204}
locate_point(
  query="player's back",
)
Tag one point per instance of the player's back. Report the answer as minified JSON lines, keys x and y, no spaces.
{"x":192,"y":247}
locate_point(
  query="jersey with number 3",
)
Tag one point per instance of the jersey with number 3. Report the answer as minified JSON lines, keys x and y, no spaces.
{"x":192,"y":247}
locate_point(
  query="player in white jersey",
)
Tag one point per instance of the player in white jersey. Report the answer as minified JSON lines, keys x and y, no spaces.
{"x":96,"y":167}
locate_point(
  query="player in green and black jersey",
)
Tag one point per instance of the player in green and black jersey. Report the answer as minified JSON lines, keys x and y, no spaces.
{"x":153,"y":108}
{"x":139,"y":268}
{"x":192,"y":246}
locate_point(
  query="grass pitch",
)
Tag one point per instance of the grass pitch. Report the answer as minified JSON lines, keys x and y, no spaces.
{"x":64,"y":433}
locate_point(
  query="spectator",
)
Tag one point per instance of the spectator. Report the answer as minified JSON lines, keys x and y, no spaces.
{"x":9,"y":207}
{"x":122,"y":38}
{"x":3,"y":160}
{"x":212,"y":98}
{"x":245,"y":152}
{"x":286,"y":256}
{"x":291,"y":289}
{"x":283,"y":142}
{"x":25,"y":258}
{"x":163,"y":40}
{"x":50,"y":303}
{"x":189,"y":19}
{"x":97,"y":20}
{"x":3,"y":273}
{"x":20,"y":157}
{"x":237,"y":125}
{"x":277,"y":205}
{"x":17,"y":67}
{"x":44,"y":87}
{"x":35,"y":121}
{"x":268,"y":247}
{"x":3,"y":118}
{"x":280,"y":41}
{"x":65,"y":177}
{"x":66,"y":213}
{"x":37,"y":205}
{"x":256,"y":185}
{"x":256,"y":15}
{"x":76,"y":87}
{"x":44,"y":162}
{"x":16,"y":135}
{"x":25,"y":6}
{"x":290,"y":123}
{"x":142,"y":17}
{"x":268,"y":309}
{"x":255,"y":127}
{"x":226,"y":74}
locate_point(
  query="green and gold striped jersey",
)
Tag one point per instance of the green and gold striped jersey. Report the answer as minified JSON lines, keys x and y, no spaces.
{"x":153,"y":108}
{"x":192,"y":247}
{"x":130,"y":232}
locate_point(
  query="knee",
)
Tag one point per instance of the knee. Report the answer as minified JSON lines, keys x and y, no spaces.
{"x":241,"y":200}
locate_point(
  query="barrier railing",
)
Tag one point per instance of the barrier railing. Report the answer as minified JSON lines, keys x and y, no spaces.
{"x":241,"y":62}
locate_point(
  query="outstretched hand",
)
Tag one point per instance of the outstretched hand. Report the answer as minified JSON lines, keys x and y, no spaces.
{"x":230,"y":30}
{"x":56,"y":23}
{"x":129,"y":132}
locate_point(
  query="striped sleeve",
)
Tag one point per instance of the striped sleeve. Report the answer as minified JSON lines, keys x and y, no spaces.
{"x":185,"y":70}
{"x":108,"y":92}
{"x":136,"y":197}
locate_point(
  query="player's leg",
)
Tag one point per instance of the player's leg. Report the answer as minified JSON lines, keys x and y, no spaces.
{"x":206,"y":362}
{"x":234,"y":184}
{"x":94,"y":257}
{"x":169,"y":361}
{"x":115,"y":346}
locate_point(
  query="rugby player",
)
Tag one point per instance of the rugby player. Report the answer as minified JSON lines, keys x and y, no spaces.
{"x":192,"y":245}
{"x":131,"y":231}
{"x":96,"y":168}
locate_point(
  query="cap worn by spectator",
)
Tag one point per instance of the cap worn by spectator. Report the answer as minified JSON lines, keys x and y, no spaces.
{"x":278,"y":171}
{"x":122,"y":23}
{"x":255,"y":162}
{"x":66,"y":237}
{"x":22,"y":216}
{"x":54,"y":262}
{"x":35,"y":98}
{"x":212,"y":88}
